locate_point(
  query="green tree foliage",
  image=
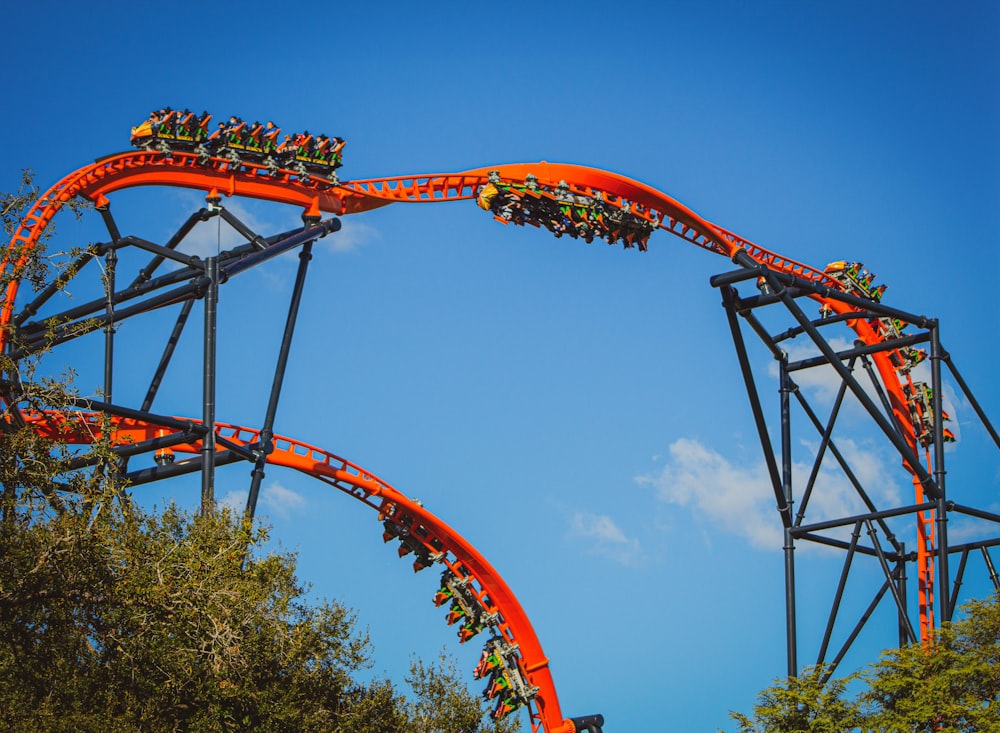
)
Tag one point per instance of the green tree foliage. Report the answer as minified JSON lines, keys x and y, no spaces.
{"x":953,"y":686}
{"x":803,"y":703}
{"x":120,"y":620}
{"x":443,"y":702}
{"x":113,"y":618}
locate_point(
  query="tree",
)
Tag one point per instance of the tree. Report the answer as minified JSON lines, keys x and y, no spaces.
{"x":805,"y":703}
{"x":950,"y":685}
{"x":443,"y":702}
{"x":118,"y":619}
{"x":954,"y":686}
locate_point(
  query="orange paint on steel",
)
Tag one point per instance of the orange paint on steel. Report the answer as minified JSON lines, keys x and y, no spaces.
{"x":145,"y":168}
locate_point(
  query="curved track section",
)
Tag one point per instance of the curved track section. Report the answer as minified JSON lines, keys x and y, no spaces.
{"x":222,"y":176}
{"x":490,"y":602}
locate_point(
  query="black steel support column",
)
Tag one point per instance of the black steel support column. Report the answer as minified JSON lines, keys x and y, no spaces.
{"x":109,"y":330}
{"x":883,"y":397}
{"x":267,"y":431}
{"x":884,"y":562}
{"x":901,"y":587}
{"x":111,"y":263}
{"x":944,"y":579}
{"x":728,"y":300}
{"x":971,"y":398}
{"x":867,"y":614}
{"x":889,"y":416}
{"x":208,"y":387}
{"x":959,"y":577}
{"x":826,"y":434}
{"x":147,"y":272}
{"x":786,"y":490}
{"x":791,"y":634}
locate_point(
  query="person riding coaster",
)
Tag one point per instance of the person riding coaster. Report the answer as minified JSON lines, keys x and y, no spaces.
{"x":166,"y":130}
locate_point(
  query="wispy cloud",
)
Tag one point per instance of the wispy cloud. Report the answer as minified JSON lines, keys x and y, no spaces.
{"x":354,"y":233}
{"x":274,"y":499}
{"x":740,"y":500}
{"x":605,"y":538}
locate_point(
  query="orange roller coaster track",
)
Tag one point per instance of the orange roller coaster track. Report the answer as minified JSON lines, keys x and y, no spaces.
{"x":843,"y":297}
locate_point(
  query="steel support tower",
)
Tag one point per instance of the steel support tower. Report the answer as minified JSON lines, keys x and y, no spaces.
{"x":871,"y":534}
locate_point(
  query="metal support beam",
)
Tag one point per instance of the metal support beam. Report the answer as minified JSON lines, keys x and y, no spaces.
{"x":888,"y":429}
{"x":839,"y":594}
{"x":991,"y":569}
{"x":786,"y":490}
{"x":901,"y":590}
{"x":728,"y":298}
{"x":208,"y":387}
{"x":267,"y":431}
{"x":168,"y":353}
{"x":946,"y":357}
{"x":944,"y":592}
{"x":884,"y":562}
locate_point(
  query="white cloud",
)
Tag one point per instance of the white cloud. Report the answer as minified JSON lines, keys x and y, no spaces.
{"x":281,"y":501}
{"x":740,"y":500}
{"x":354,"y":233}
{"x":235,"y":500}
{"x":605,"y":537}
{"x":274,"y":499}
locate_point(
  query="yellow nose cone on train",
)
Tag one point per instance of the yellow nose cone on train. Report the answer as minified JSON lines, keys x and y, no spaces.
{"x":143,"y":130}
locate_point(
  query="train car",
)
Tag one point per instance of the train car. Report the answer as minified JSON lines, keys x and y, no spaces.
{"x":237,"y":142}
{"x":562,"y":212}
{"x":169,"y":130}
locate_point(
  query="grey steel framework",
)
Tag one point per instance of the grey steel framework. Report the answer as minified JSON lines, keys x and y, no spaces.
{"x":870,"y":533}
{"x":195,"y":278}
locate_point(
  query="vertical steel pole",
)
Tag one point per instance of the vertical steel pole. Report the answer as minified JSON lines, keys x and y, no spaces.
{"x":789,"y":544}
{"x":944,"y":594}
{"x":109,"y":330}
{"x":111,"y":260}
{"x":208,"y":387}
{"x":904,"y":634}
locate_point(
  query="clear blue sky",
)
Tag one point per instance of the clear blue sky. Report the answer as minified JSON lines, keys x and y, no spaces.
{"x":575,"y":411}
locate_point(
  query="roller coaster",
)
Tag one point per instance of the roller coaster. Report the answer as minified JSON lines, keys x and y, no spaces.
{"x":176,"y":149}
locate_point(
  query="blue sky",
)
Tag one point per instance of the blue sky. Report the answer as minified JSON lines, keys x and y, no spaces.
{"x":575,"y":411}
